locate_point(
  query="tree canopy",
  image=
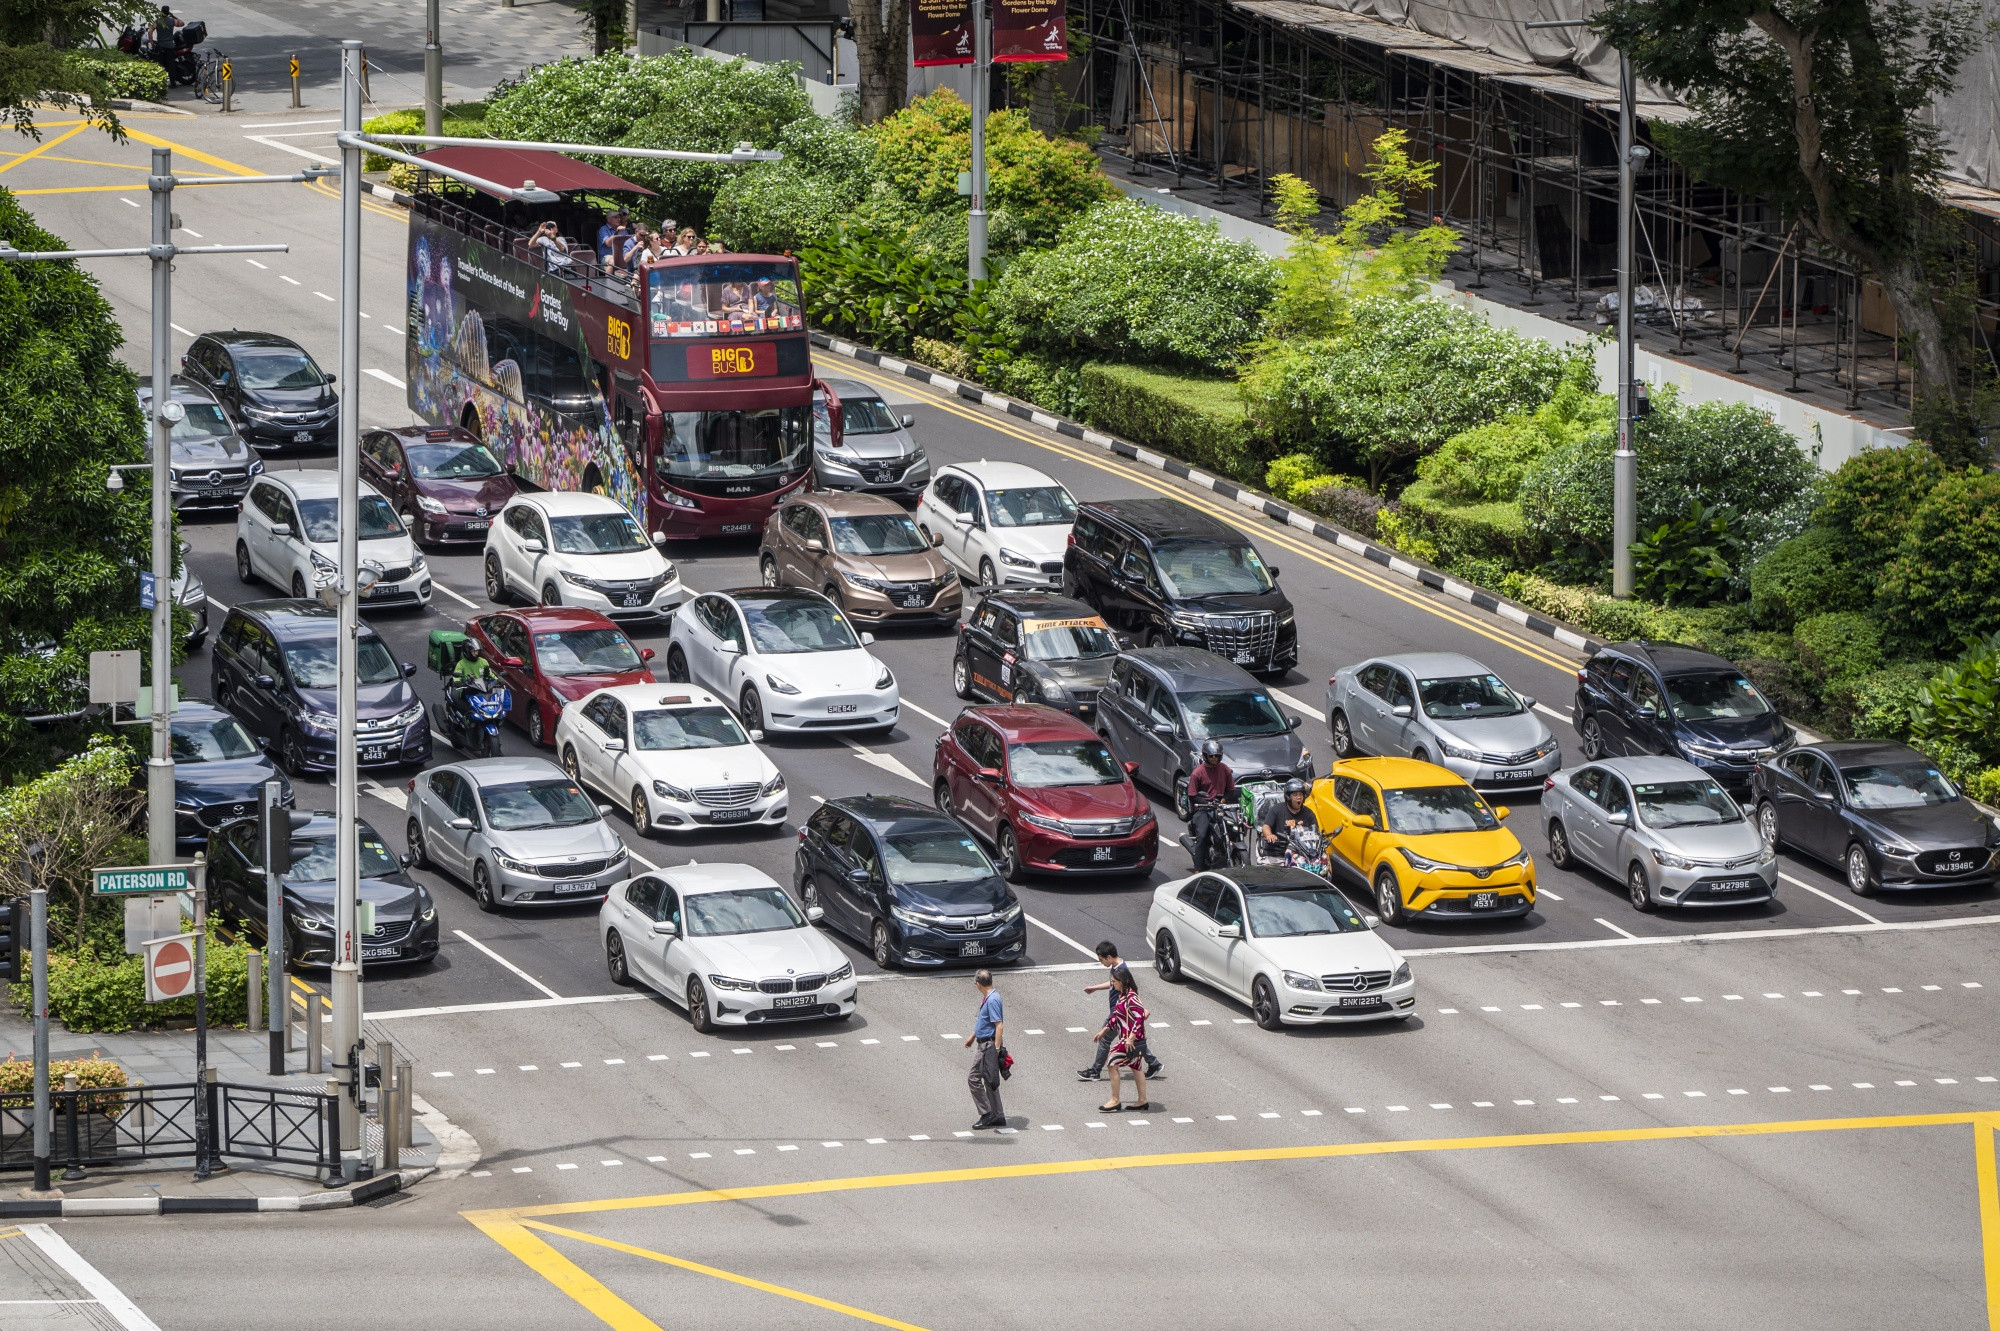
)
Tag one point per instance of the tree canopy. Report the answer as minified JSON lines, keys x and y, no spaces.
{"x":38,"y":39}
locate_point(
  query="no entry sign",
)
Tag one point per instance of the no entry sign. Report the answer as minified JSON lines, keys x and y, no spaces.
{"x":170,"y":969}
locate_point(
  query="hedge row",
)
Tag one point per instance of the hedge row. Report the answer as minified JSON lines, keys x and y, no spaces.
{"x":88,"y":992}
{"x":1198,"y":420}
{"x":138,"y":80}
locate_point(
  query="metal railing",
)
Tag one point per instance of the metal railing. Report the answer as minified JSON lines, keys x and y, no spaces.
{"x":129,"y":1124}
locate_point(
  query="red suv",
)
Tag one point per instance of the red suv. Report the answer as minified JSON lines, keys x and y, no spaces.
{"x":551,"y":655}
{"x":1045,"y":792}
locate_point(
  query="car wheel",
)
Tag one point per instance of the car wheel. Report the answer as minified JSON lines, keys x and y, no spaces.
{"x":1421,"y":754}
{"x":1342,"y":736}
{"x":987,"y":577}
{"x":1591,"y":736}
{"x":298,"y":587}
{"x":809,"y":893}
{"x":551,"y":596}
{"x":832,"y":593}
{"x":1167,"y":957}
{"x":413,"y":837}
{"x":482,"y":888}
{"x":1767,"y":824}
{"x":292,"y":755}
{"x":699,"y":1016}
{"x":244,"y":573}
{"x":569,"y":765}
{"x":1860,"y":877}
{"x":1389,"y":897}
{"x":1637,"y":888}
{"x":1559,"y":846}
{"x":496,"y":581}
{"x":538,"y":726}
{"x":1183,"y":806}
{"x":961,"y":677}
{"x":1008,"y":852}
{"x":752,"y":709}
{"x":941,"y":796}
{"x":677,"y":667}
{"x":614,"y":960}
{"x":642,"y":812}
{"x":882,"y":947}
{"x":767,"y":571}
{"x":1264,"y":1005}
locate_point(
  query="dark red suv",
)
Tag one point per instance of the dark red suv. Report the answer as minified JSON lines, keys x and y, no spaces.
{"x":447,"y":485}
{"x":1043,"y":790}
{"x":550,"y":655}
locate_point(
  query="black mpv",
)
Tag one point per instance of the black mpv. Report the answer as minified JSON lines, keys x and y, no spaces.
{"x":274,"y":391}
{"x":1662,"y":698}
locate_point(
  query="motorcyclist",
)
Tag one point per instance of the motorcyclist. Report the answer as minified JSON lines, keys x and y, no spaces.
{"x":1209,"y":786}
{"x":472,"y":674}
{"x":1278,"y":824}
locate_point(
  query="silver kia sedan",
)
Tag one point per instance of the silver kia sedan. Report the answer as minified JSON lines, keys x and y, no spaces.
{"x":1443,"y":708}
{"x":1661,"y":826}
{"x":517,"y":829}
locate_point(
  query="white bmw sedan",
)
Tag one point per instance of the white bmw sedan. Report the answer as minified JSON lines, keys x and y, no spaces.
{"x":673,"y":755}
{"x":786,"y":657}
{"x":727,"y":944}
{"x":1282,"y":941}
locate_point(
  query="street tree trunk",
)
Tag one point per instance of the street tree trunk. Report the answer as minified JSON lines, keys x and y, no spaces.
{"x":882,"y":49}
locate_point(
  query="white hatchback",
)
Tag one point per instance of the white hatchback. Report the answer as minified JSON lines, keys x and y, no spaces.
{"x":288,"y":534}
{"x":786,"y":657}
{"x":566,"y":548}
{"x":999,"y":522}
{"x":673,"y":755}
{"x":727,"y":944}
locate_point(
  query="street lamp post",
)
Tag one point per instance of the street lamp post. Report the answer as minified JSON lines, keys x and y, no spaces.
{"x":982,"y":79}
{"x":433,"y":71}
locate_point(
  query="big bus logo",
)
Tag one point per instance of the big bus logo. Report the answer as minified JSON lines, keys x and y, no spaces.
{"x":618,"y":335}
{"x":732,"y":360}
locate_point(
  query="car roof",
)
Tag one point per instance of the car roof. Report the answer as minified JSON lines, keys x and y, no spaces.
{"x":658,"y":695}
{"x":1027,"y":722}
{"x":417,"y":434}
{"x":1160,"y":518}
{"x":769,"y":594}
{"x":1433,"y":665}
{"x":1845,"y":751}
{"x":544,"y":618}
{"x":1003,"y":475}
{"x":848,"y":504}
{"x":693,"y":878}
{"x":565,"y":502}
{"x":1040,"y":605}
{"x":499,"y":771}
{"x":1652,"y":767}
{"x":288,"y":616}
{"x":1189,"y":667}
{"x":239,"y":337}
{"x":1671,"y":658}
{"x":1398,"y":773}
{"x":197,"y":709}
{"x":1270,"y":878}
{"x":185,"y":389}
{"x":844,"y":389}
{"x":891,"y":813}
{"x":314,"y":482}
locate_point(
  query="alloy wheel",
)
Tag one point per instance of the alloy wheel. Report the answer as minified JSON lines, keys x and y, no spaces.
{"x":244,"y":573}
{"x":1008,"y":851}
{"x":1421,"y":755}
{"x":1388,"y":897}
{"x":292,"y":754}
{"x":538,"y":726}
{"x":677,"y":666}
{"x":614,"y":959}
{"x":1264,"y":1004}
{"x":698,"y":1013}
{"x":298,"y":587}
{"x":642,"y":812}
{"x":941,"y":796}
{"x":1592,"y":736}
{"x":496,"y":581}
{"x":1638,"y":889}
{"x":550,"y":595}
{"x":413,"y":837}
{"x":1167,"y":957}
{"x":752,"y":710}
{"x":482,"y":888}
{"x":1558,"y":846}
{"x":961,"y":678}
{"x":1860,"y":878}
{"x":809,"y":893}
{"x":1767,"y":824}
{"x":570,"y":767}
{"x":987,"y":576}
{"x":1342,"y":736}
{"x":881,"y":946}
{"x":767,"y":571}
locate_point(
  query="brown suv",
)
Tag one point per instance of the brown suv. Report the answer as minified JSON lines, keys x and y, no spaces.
{"x":864,"y":553}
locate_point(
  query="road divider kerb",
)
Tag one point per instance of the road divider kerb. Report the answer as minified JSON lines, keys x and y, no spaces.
{"x":76,"y":1208}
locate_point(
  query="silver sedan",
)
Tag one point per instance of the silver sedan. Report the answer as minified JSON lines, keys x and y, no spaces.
{"x":1664,"y":828}
{"x":1443,"y":708}
{"x":517,"y":829}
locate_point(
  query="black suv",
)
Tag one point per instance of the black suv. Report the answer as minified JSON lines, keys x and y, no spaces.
{"x":1170,"y":575}
{"x":1033,"y":647}
{"x":274,"y":391}
{"x":274,"y":667}
{"x":907,"y":881}
{"x":1659,"y":697}
{"x":405,"y":917}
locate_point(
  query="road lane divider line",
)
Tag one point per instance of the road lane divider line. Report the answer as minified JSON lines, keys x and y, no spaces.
{"x":504,"y":1005}
{"x":1062,"y":937}
{"x":1546,"y":710}
{"x":1301,"y":707}
{"x":385,"y":377}
{"x":94,"y":1282}
{"x":508,"y":964}
{"x":1733,"y":936}
{"x":1828,"y":896}
{"x":926,"y":713}
{"x":439,"y":586}
{"x":1622,"y":933}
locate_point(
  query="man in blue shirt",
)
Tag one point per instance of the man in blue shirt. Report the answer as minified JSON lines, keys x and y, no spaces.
{"x":988,"y":1032}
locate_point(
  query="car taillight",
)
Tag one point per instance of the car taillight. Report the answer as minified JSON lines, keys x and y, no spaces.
{"x":411,"y":785}
{"x":1070,"y":539}
{"x":802,"y":834}
{"x":1548,"y":783}
{"x":1583,"y":676}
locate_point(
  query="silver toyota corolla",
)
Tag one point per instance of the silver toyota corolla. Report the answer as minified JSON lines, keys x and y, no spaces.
{"x":1661,"y":826}
{"x":1443,"y":708}
{"x":517,"y":829}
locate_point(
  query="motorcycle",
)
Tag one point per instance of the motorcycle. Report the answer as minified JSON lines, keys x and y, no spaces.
{"x":1226,"y":833}
{"x":1305,"y":848}
{"x":469,"y":718}
{"x":176,"y":55}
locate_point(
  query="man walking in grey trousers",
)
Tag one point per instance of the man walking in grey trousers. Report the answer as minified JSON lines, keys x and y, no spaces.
{"x":988,"y":1032}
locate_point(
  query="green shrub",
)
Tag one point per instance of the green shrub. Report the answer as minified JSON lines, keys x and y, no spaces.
{"x":953,"y":359}
{"x":1046,"y":381}
{"x":1959,"y":710}
{"x":1688,"y":560}
{"x":1487,"y":463}
{"x":1722,"y":629}
{"x":868,"y":283}
{"x":1879,"y":705}
{"x":17,"y":1075}
{"x":1351,"y":505}
{"x":1944,"y":583}
{"x":779,"y":207}
{"x":1804,"y":575}
{"x":1395,"y":530}
{"x":1200,"y":421}
{"x":1296,"y":475}
{"x":1132,"y":282}
{"x":467,"y":121}
{"x":1984,"y":786}
{"x":1486,"y":532}
{"x":107,"y":992}
{"x":1839,"y":645}
{"x":1870,"y":499}
{"x":125,"y":76}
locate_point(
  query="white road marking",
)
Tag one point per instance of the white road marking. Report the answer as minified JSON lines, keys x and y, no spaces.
{"x":388,"y":379}
{"x":1614,"y":928}
{"x":192,"y":232}
{"x":1725,"y":936}
{"x":508,"y":964}
{"x":926,"y":713}
{"x":178,"y":329}
{"x":1302,"y":708}
{"x":93,"y":1281}
{"x":127,"y":202}
{"x":293,"y":280}
{"x":393,"y":329}
{"x":323,"y":296}
{"x":1550,"y":711}
{"x":439,"y":586}
{"x":275,"y":141}
{"x":508,"y":1006}
{"x":1828,"y":896}
{"x":254,"y":264}
{"x":1541,"y":892}
{"x":887,"y":762}
{"x":1062,"y":937}
{"x":288,"y":124}
{"x":387,"y":794}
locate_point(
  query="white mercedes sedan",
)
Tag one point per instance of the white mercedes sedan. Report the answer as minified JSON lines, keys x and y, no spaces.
{"x":787,"y":658}
{"x":727,"y":944}
{"x":673,"y":755}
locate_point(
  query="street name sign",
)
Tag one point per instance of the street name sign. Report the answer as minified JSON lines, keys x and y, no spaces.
{"x":144,"y":880}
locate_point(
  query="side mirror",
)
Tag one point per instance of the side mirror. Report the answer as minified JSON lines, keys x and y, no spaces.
{"x":666,"y":929}
{"x":867,"y":640}
{"x":908,"y":420}
{"x":614,"y":746}
{"x":816,"y":545}
{"x":729,"y":647}
{"x":1229,"y":931}
{"x":1501,"y":812}
{"x":533,"y":545}
{"x":1527,"y":703}
{"x":659,"y":538}
{"x":266,"y":682}
{"x":1366,"y":820}
{"x":963,"y":519}
{"x":989,"y":774}
{"x":1131,"y":769}
{"x":405,"y":859}
{"x":1163,"y":728}
{"x":1619,"y":819}
{"x":1647,"y":713}
{"x":937,"y":539}
{"x":392,"y":470}
{"x":463,"y":825}
{"x":184,"y":362}
{"x":814,"y":914}
{"x":1372,"y":921}
{"x":645,"y":653}
{"x":330,"y":378}
{"x":858,"y":877}
{"x":1402,"y":709}
{"x":516,"y":663}
{"x":604,"y":810}
{"x":1275,"y":571}
{"x":756,"y":737}
{"x":409,"y":670}
{"x":1824,"y":796}
{"x":281,"y":529}
{"x":1293,"y":723}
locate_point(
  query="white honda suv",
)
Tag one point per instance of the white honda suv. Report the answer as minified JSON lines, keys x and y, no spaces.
{"x":566,"y":548}
{"x":288,"y":534}
{"x":1001,"y":523}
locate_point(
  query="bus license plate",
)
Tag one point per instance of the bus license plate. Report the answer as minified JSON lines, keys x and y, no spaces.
{"x":633,"y":600}
{"x":972,"y":949}
{"x":379,"y":953}
{"x":732,"y":815}
{"x":376,"y":753}
{"x":1483,"y":900}
{"x":1732,"y":885}
{"x":796,"y":1000}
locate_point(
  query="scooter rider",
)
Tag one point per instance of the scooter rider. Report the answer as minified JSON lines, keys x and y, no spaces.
{"x":1279,"y":822}
{"x":472,"y":674}
{"x":1211,"y":781}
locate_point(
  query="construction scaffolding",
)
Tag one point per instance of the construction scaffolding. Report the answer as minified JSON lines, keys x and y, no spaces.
{"x":1225,"y":94}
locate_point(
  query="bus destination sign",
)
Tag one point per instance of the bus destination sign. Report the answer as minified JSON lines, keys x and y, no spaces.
{"x":733,"y":360}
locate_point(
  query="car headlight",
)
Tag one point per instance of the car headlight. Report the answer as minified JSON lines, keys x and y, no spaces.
{"x":430,"y":505}
{"x":674,"y":500}
{"x":308,"y":923}
{"x":775,"y":784}
{"x":620,"y":855}
{"x":429,"y":913}
{"x":1523,"y":858}
{"x":1048,"y":824}
{"x":871,"y":584}
{"x":913,"y":916}
{"x":186,"y":805}
{"x":1708,"y":751}
{"x":1017,"y":561}
{"x":1011,"y":914}
{"x":1402,"y":974}
{"x":409,"y":716}
{"x":1451,"y":750}
{"x":885,"y":680}
{"x":1287,"y":617}
{"x":1419,"y":863}
{"x":579,"y":580}
{"x":1050,"y":689}
{"x":1305,"y":763}
{"x":515,"y":866}
{"x":256,"y":467}
{"x":1189,"y":622}
{"x":846,"y":972}
{"x":324,"y":570}
{"x":1147,"y":817}
{"x":667,"y":792}
{"x":1547,"y":747}
{"x":779,"y":685}
{"x":726,"y":982}
{"x":321,"y":721}
{"x":1892,"y":845}
{"x":948,"y":578}
{"x":1671,"y":860}
{"x":1300,"y":980}
{"x":260,"y":413}
{"x":417,"y":564}
{"x":193,"y":590}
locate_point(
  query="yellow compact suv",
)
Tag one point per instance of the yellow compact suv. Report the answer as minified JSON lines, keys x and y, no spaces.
{"x":1423,"y":840}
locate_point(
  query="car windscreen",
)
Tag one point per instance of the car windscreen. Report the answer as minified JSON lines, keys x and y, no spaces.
{"x":314,"y":664}
{"x":866,"y":415}
{"x":930,"y":858}
{"x":211,"y":741}
{"x":525,"y":805}
{"x":585,"y":652}
{"x":1905,"y":785}
{"x":322,"y":519}
{"x":743,"y":910}
{"x":1721,"y":696}
{"x":686,"y":728}
{"x":203,"y":420}
{"x":1063,"y":762}
{"x":313,"y":856}
{"x":1067,"y":639}
{"x":787,"y":626}
{"x":878,"y":534}
{"x":1426,"y":810}
{"x":277,"y":368}
{"x":451,"y":462}
{"x":1209,"y":568}
{"x":1306,"y":911}
{"x":1463,"y":698}
{"x":1031,"y":506}
{"x":597,"y":534}
{"x":1236,"y":713}
{"x":1684,"y":804}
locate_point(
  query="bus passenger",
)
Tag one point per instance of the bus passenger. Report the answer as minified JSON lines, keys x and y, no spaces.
{"x":549,"y":247}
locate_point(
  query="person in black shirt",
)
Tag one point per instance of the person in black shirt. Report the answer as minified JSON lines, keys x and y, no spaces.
{"x":1279,"y":822}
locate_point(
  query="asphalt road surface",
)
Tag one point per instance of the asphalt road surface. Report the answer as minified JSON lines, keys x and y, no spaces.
{"x":1550,"y":1142}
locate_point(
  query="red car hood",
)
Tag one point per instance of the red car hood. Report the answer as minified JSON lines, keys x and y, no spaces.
{"x":572,"y":687}
{"x":1082,"y":802}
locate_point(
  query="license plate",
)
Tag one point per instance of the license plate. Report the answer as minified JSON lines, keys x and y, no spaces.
{"x":212,"y":494}
{"x":1960,"y":866}
{"x":1244,"y":658}
{"x":1360,"y":1002}
{"x":478,"y":524}
{"x":738,"y":528}
{"x":302,"y":437}
{"x":376,"y":753}
{"x":911,"y":602}
{"x":796,"y":1000}
{"x":972,"y":949}
{"x":379,"y":953}
{"x":587,"y":885}
{"x":732,"y":815}
{"x":1101,"y":853}
{"x":1731,"y":885}
{"x":842,"y":708}
{"x":1514,"y":774}
{"x":633,"y":600}
{"x":1483,"y":900}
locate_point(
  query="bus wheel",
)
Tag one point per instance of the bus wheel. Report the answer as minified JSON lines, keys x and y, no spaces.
{"x":468,"y":421}
{"x":593,"y":481}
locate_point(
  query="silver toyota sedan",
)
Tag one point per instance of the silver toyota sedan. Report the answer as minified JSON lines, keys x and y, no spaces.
{"x":517,"y":829}
{"x":1443,"y":708}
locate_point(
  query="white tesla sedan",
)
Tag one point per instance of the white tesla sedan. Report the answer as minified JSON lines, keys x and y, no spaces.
{"x":727,"y":944}
{"x":1282,"y":941}
{"x":671,"y":754}
{"x":787,"y":658}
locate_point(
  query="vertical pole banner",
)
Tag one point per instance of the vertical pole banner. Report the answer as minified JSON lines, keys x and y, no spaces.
{"x":1025,"y":30}
{"x":941,"y":32}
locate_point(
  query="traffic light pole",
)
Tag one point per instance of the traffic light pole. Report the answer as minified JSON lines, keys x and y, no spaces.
{"x":38,"y":938}
{"x":1625,"y":462}
{"x":433,"y":71}
{"x":275,"y":823}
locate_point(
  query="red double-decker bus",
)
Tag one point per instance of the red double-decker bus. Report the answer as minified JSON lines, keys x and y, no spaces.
{"x":683,"y":389}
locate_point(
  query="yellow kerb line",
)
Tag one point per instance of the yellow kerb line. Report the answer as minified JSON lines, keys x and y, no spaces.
{"x":1989,"y":1210}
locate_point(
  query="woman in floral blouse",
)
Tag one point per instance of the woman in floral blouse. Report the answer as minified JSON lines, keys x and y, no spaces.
{"x":1128,"y":1028}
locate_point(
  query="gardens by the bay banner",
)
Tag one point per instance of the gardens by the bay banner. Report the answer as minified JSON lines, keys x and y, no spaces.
{"x":941,"y":31}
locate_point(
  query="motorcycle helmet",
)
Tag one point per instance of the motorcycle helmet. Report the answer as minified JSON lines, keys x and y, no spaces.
{"x":1295,"y":786}
{"x":1211,"y":748}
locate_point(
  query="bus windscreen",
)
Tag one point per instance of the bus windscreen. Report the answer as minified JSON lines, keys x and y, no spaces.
{"x":733,"y":445}
{"x":724,"y":299}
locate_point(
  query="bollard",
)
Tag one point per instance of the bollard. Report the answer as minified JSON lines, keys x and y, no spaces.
{"x":228,"y":87}
{"x":389,"y":1105}
{"x":335,"y":1177}
{"x":364,"y":78}
{"x":254,"y":980}
{"x":295,"y":82}
{"x":406,"y":1075}
{"x":313,"y":1033}
{"x":72,"y":1129}
{"x":212,"y":1093}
